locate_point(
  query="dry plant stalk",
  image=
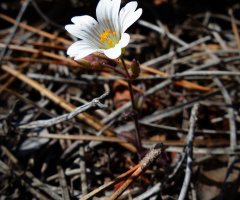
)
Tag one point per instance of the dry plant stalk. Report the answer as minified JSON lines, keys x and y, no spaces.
{"x":132,"y":174}
{"x":63,"y":103}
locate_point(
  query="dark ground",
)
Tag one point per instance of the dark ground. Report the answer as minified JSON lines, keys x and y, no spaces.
{"x":207,"y":74}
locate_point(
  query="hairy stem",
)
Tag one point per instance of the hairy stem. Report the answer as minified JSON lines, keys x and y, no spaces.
{"x":135,"y":116}
{"x":120,"y":72}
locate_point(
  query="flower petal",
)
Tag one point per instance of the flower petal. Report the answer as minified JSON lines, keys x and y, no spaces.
{"x":79,"y":50}
{"x":75,"y":30}
{"x":128,"y":15}
{"x":83,"y":53}
{"x":89,"y":35}
{"x":87,"y":23}
{"x":113,"y":15}
{"x":84,"y":20}
{"x":127,"y":10}
{"x":114,"y":52}
{"x":130,"y":19}
{"x":102,"y":13}
{"x":75,"y":47}
{"x":124,"y":40}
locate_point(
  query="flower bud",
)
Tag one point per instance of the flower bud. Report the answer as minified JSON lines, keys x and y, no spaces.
{"x":139,"y":100}
{"x":84,"y":63}
{"x":135,"y":68}
{"x":96,"y":65}
{"x":90,"y":58}
{"x":90,"y":62}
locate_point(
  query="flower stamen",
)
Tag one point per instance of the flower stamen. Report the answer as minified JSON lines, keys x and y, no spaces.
{"x":105,"y":35}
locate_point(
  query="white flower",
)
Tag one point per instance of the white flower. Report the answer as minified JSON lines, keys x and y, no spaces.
{"x":106,"y":36}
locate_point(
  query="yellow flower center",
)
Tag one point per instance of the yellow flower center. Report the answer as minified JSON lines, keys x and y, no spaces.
{"x":107,"y":35}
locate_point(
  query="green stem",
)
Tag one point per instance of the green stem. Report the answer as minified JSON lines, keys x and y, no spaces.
{"x":135,"y":116}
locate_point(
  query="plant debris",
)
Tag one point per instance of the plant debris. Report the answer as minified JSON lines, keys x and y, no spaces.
{"x":61,"y":139}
